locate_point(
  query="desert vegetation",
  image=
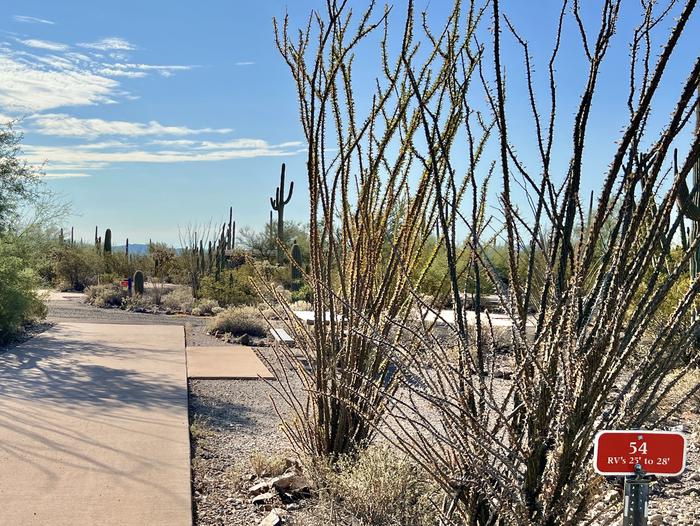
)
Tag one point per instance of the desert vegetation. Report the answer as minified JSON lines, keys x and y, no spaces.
{"x":601,"y":309}
{"x":477,"y":315}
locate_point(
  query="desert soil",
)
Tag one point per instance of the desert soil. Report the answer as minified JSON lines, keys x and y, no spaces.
{"x":232,"y":420}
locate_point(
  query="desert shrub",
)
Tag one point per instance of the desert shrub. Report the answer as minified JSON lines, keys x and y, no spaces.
{"x":268,"y":465}
{"x":76,"y":267}
{"x":378,"y":488}
{"x":19,"y":303}
{"x":179,"y":299}
{"x":239,"y":321}
{"x":108,"y":295}
{"x":232,"y":288}
{"x":303,"y":293}
{"x":205,"y":307}
{"x":145,"y":301}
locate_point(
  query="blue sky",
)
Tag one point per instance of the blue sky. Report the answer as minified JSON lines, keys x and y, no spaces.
{"x":156,"y":114}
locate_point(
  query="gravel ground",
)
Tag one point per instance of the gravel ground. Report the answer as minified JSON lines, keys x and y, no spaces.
{"x":230,"y":420}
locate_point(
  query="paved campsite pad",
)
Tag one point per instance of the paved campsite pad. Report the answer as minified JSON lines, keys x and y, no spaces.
{"x":226,"y":361}
{"x":94,"y":427}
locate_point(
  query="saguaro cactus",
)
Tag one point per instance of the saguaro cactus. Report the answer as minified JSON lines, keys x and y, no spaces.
{"x":296,"y":264}
{"x":108,"y":241}
{"x":231,"y":232}
{"x":127,"y":249}
{"x":138,"y":282}
{"x":278,"y":204}
{"x":689,"y":202}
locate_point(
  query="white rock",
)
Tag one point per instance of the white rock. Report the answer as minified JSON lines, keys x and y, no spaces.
{"x":271,"y":520}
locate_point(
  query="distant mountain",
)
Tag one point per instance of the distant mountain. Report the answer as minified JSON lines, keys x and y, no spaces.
{"x":133,"y":249}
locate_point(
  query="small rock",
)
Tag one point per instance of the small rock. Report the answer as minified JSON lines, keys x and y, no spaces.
{"x":290,"y":482}
{"x":264,"y":498}
{"x":260,"y":487}
{"x":656,"y":520}
{"x":293,"y":506}
{"x":271,"y":520}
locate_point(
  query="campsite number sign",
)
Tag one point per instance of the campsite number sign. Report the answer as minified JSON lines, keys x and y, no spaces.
{"x":617,"y":453}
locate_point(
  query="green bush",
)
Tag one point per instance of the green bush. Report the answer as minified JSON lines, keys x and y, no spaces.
{"x":19,"y":302}
{"x":304,"y":293}
{"x":239,"y":321}
{"x":232,"y":288}
{"x":76,"y":267}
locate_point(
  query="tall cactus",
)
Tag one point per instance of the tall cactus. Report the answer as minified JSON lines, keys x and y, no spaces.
{"x":127,"y":249}
{"x":231,"y":232}
{"x":278,"y":204}
{"x":138,"y":282}
{"x":296,"y":264}
{"x":689,"y":202}
{"x":108,"y":242}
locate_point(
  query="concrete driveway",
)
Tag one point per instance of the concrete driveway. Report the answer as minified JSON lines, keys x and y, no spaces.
{"x":94,"y":427}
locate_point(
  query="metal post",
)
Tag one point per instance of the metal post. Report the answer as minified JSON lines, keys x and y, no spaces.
{"x":636,"y":503}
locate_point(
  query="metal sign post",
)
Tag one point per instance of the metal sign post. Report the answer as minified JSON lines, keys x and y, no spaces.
{"x":636,"y":507}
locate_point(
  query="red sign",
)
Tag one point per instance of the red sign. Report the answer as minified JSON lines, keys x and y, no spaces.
{"x":657,"y":452}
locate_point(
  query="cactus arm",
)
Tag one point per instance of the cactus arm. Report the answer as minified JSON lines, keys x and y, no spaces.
{"x":684,"y":199}
{"x":291,"y":191}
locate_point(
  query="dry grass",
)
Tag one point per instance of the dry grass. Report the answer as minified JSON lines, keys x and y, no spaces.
{"x":378,"y":488}
{"x":239,"y":321}
{"x":268,"y":465}
{"x":180,"y":300}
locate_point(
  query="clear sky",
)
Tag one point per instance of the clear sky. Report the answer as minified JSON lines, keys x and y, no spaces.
{"x":155,"y":114}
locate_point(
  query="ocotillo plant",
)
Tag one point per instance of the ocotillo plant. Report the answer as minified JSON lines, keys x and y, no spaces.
{"x":138,"y":282}
{"x":296,"y":265}
{"x":278,"y":204}
{"x":108,"y":242}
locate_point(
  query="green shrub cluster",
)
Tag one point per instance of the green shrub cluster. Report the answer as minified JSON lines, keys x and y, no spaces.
{"x":234,"y":287}
{"x":19,"y":302}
